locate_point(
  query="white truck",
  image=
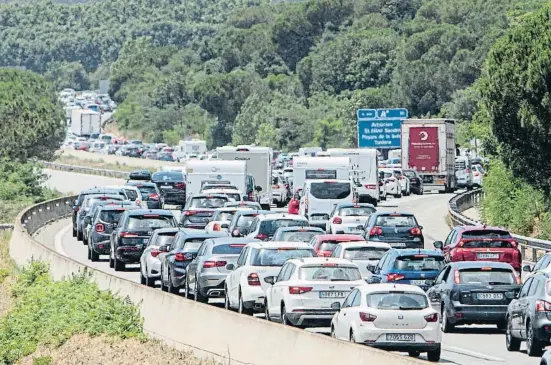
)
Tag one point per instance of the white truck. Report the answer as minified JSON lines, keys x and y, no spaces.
{"x":428,"y":147}
{"x":199,"y":173}
{"x":319,"y":168}
{"x":85,"y":122}
{"x":364,"y":171}
{"x":187,"y":148}
{"x":259,"y":165}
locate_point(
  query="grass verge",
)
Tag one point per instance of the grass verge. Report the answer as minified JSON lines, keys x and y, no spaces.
{"x":97,"y":164}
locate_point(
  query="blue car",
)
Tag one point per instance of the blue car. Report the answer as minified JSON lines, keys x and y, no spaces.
{"x":176,"y":257}
{"x":409,"y":266}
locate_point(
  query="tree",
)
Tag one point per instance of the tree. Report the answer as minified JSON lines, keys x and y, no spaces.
{"x":68,"y":75}
{"x":516,"y":94}
{"x":32,"y":122}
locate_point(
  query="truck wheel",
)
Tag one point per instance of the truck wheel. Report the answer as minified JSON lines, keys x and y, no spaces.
{"x":265,"y":206}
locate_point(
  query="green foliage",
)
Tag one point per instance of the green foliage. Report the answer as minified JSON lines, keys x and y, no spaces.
{"x":49,"y":313}
{"x":68,"y":75}
{"x":43,"y":360}
{"x":31,"y":120}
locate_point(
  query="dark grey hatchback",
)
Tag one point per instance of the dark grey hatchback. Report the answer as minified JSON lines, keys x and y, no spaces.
{"x":399,"y":230}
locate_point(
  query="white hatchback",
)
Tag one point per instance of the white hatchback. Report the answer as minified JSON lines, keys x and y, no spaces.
{"x":395,"y":317}
{"x":364,"y":254}
{"x":392,"y":185}
{"x":303,"y":292}
{"x":221,"y":219}
{"x":346,"y":218}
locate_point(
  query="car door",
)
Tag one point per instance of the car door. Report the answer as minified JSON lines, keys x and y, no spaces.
{"x":449,"y":244}
{"x":516,"y":306}
{"x":376,"y":277}
{"x":527,"y":301}
{"x":275,"y":296}
{"x":342,"y":324}
{"x":196,"y":263}
{"x":435,"y":292}
{"x":232,"y":281}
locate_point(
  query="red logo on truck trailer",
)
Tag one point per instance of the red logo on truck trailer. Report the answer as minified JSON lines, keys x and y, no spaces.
{"x":423,"y":149}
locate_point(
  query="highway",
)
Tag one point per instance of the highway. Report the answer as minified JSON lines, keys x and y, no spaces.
{"x":471,"y":345}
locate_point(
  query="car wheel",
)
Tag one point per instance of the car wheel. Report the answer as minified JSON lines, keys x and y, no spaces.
{"x":170,"y":287}
{"x":89,"y":254}
{"x":414,"y":353}
{"x":227,"y":299}
{"x":187,"y":293}
{"x":447,"y":327}
{"x":512,"y":343}
{"x":94,"y":256}
{"x":118,"y":265}
{"x":267,"y":311}
{"x":502,"y":326}
{"x":143,"y":279}
{"x":534,"y":346}
{"x":284,"y":320}
{"x":434,"y":355}
{"x":241,"y":308}
{"x":111,"y":263}
{"x":333,"y":334}
{"x":163,"y":286}
{"x":74,"y":232}
{"x":84,"y":240}
{"x":197,"y":294}
{"x":79,"y":236}
{"x":398,"y":195}
{"x":352,"y":337}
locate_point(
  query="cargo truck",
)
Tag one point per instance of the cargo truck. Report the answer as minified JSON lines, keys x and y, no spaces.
{"x":428,"y":147}
{"x":85,"y":122}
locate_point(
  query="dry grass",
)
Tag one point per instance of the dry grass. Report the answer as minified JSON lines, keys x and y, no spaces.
{"x":98,"y":164}
{"x":6,"y":273}
{"x":86,"y":350}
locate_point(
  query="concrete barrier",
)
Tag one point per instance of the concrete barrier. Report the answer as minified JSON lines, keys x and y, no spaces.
{"x":208,"y":330}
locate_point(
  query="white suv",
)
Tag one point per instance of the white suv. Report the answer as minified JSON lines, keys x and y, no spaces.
{"x":245,"y":285}
{"x":279,"y":191}
{"x":263,"y":227}
{"x":305,"y":289}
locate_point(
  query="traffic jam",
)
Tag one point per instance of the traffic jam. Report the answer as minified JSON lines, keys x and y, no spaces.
{"x":302,"y":239}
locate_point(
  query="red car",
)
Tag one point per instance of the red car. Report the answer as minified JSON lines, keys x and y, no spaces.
{"x":324,"y":244}
{"x":481,"y":243}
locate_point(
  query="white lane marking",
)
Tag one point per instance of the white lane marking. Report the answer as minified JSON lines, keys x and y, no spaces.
{"x":58,"y":240}
{"x":459,"y":350}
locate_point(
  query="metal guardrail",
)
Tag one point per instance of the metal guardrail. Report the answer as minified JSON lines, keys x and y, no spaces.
{"x":531,"y":248}
{"x":86,"y":170}
{"x":6,"y":227}
{"x":41,"y":214}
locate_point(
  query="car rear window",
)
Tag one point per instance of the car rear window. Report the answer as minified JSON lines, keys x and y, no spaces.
{"x":328,"y":245}
{"x":208,"y":203}
{"x":191,"y":245}
{"x":486,"y":233}
{"x":388,"y":174}
{"x":234,"y":196}
{"x":364,"y":253}
{"x":110,"y":216}
{"x":397,"y":300}
{"x":419,"y":263}
{"x":163,"y":239}
{"x":150,"y":222}
{"x":131,"y":194}
{"x":278,"y":256}
{"x":229,"y":249}
{"x":294,"y":236}
{"x":487,"y":243}
{"x":269,"y":226}
{"x":224,"y":216}
{"x":146,"y":190}
{"x":245,"y":221}
{"x":330,"y":190}
{"x":320,"y":174}
{"x":168,"y":176}
{"x":490,"y":276}
{"x":396,"y":221}
{"x":356,"y":211}
{"x":329,"y":273}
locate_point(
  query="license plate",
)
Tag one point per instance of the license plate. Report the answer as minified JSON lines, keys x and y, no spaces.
{"x":333,"y":294}
{"x":397,"y":244}
{"x":400,"y":337}
{"x":488,"y":256}
{"x":317,"y":218}
{"x":166,"y":187}
{"x":489,"y":296}
{"x":418,"y":282}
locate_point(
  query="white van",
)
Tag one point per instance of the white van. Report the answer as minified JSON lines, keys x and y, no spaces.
{"x":200,"y":172}
{"x":319,"y":198}
{"x":319,"y":168}
{"x":463,"y":172}
{"x":259,"y":165}
{"x":309,"y":151}
{"x":96,"y":146}
{"x":364,"y":166}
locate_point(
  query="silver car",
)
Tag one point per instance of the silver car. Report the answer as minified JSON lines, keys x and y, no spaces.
{"x":150,"y":264}
{"x":207,"y":273}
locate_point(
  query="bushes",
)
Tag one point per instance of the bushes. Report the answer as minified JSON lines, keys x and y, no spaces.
{"x":48,"y":312}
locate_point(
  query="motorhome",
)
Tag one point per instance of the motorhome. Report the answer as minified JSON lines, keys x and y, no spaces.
{"x":199,"y":173}
{"x":319,"y":168}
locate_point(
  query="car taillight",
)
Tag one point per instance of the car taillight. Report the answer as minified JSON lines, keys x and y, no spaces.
{"x":180,"y":185}
{"x":394,"y":277}
{"x":182,"y":257}
{"x":211,"y":264}
{"x":155,"y":252}
{"x":543,"y":306}
{"x":190,"y":212}
{"x":367,"y":317}
{"x":275,"y":186}
{"x":154,"y":196}
{"x":100,"y":228}
{"x":322,"y":253}
{"x":216,"y":227}
{"x":415,"y":231}
{"x":128,"y":234}
{"x":138,"y":201}
{"x":468,"y":171}
{"x":261,"y":236}
{"x":299,"y":289}
{"x":253,"y":279}
{"x":376,"y":231}
{"x":460,"y":244}
{"x":370,"y":186}
{"x":381,"y":183}
{"x":250,"y":196}
{"x":337,"y":220}
{"x":476,"y":174}
{"x":431,"y":317}
{"x":391,"y":179}
{"x":456,"y":278}
{"x":513,"y":243}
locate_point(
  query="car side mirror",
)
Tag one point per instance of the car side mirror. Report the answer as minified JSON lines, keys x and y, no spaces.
{"x":421,"y":227}
{"x":236,"y":233}
{"x":270,"y":280}
{"x":438,"y":245}
{"x":430,"y":283}
{"x":245,"y":198}
{"x":164,"y":248}
{"x":230,"y":267}
{"x":336,"y":306}
{"x":87,"y":219}
{"x":360,"y":227}
{"x":527,"y":268}
{"x":371,"y":268}
{"x":225,"y":225}
{"x":258,"y":188}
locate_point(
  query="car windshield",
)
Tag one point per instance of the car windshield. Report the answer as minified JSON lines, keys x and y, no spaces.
{"x":168,"y":176}
{"x":131,"y":194}
{"x":163,"y":239}
{"x":329,"y":273}
{"x":269,"y":226}
{"x":278,"y":256}
{"x":146,"y":190}
{"x":387,"y":174}
{"x":208,"y":203}
{"x":356,"y":211}
{"x":330,"y":190}
{"x":419,"y":263}
{"x":191,"y":245}
{"x":364,"y":253}
{"x":328,"y":245}
{"x":397,"y":300}
{"x":95,"y":199}
{"x":487,"y":243}
{"x":486,"y":277}
{"x":294,"y":236}
{"x":224,"y":216}
{"x":396,"y":221}
{"x":409,"y":173}
{"x":229,"y":249}
{"x":486,"y":233}
{"x":245,"y":221}
{"x":150,"y":222}
{"x":110,"y":216}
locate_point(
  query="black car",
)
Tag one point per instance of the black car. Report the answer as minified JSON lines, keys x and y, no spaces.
{"x":241,"y":221}
{"x":150,"y":193}
{"x":103,"y":223}
{"x":200,"y":208}
{"x":474,"y":292}
{"x":132,"y":232}
{"x":172,"y":185}
{"x":399,"y":230}
{"x":178,"y":255}
{"x":130,"y":150}
{"x":415,"y":181}
{"x":139,"y":175}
